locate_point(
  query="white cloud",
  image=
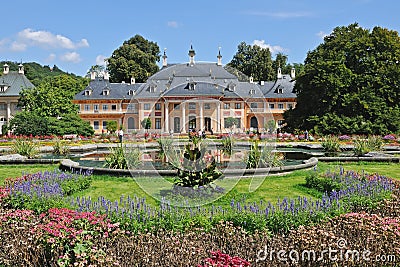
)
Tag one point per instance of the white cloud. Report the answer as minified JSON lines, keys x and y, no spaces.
{"x":71,"y":57}
{"x":322,"y":34}
{"x":3,"y":43}
{"x":18,"y":47}
{"x":51,"y":58}
{"x":172,"y":24}
{"x":29,"y":37}
{"x":100,"y":60}
{"x":272,"y":48}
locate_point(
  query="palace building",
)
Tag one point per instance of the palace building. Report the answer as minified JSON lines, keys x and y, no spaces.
{"x":193,"y":95}
{"x":11,"y":84}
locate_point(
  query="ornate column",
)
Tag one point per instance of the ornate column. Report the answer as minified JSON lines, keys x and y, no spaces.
{"x":201,"y":115}
{"x":183,"y":117}
{"x":219,"y":116}
{"x":166,"y":117}
{"x":8,"y":111}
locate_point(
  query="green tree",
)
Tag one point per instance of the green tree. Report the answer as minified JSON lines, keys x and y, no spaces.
{"x":112,"y":126}
{"x":98,"y":69}
{"x":53,"y":97}
{"x":136,"y":58}
{"x":48,"y":109}
{"x":146,"y":123}
{"x":252,"y":60}
{"x":36,"y":73}
{"x":350,"y":84}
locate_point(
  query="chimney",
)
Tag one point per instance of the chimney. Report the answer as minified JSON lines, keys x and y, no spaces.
{"x":164,"y":58}
{"x":192,"y":53}
{"x":6,"y":69}
{"x":133,"y":81}
{"x":106,"y":76}
{"x":251,"y":79}
{"x":219,"y":63}
{"x":279,"y":73}
{"x":21,"y":68}
{"x":92,"y":75}
{"x":293,"y":73}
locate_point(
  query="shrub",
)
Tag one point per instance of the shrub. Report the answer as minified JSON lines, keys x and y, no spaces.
{"x":123,"y":157}
{"x":331,"y":144}
{"x":44,"y":190}
{"x":25,"y":148}
{"x":321,"y":183}
{"x":375,"y":142}
{"x":60,"y":147}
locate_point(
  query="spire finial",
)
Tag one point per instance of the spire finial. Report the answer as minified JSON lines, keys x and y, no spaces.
{"x":164,"y":57}
{"x":192,"y":53}
{"x":219,"y":63}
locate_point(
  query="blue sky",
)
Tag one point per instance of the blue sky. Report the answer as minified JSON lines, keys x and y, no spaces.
{"x":74,"y":35}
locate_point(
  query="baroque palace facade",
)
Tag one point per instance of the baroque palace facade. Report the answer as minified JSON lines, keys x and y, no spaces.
{"x":181,"y":97}
{"x":11,"y":84}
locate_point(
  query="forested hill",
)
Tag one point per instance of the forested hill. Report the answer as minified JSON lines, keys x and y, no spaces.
{"x":36,"y":72}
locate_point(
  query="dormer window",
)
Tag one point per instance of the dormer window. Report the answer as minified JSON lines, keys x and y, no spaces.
{"x":88,"y":92}
{"x":192,"y":86}
{"x":152,"y":88}
{"x":252,"y":92}
{"x":3,"y":88}
{"x":106,"y":92}
{"x":279,"y":89}
{"x":231,"y":87}
{"x":131,"y":92}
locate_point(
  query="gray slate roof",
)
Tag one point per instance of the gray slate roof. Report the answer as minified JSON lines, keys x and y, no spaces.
{"x":16,"y":82}
{"x":174,"y":80}
{"x":116,"y":90}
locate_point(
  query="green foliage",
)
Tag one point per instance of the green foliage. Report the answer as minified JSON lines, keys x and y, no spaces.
{"x":375,"y":142}
{"x":36,"y":73}
{"x":80,"y":183}
{"x":136,"y":58}
{"x":262,"y":157}
{"x":48,"y":108}
{"x":253,"y":156}
{"x":321,"y":183}
{"x":60,"y":147}
{"x":252,"y":60}
{"x":146,"y":123}
{"x":25,"y":148}
{"x":27,"y":123}
{"x":331,"y":144}
{"x":53,"y":97}
{"x":197,"y":168}
{"x":230,"y":121}
{"x":227,"y":144}
{"x":123,"y":157}
{"x":271,"y":126}
{"x":4,"y":129}
{"x":350,"y":84}
{"x":112,"y":126}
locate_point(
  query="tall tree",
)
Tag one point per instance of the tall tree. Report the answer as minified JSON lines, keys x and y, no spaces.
{"x":350,"y":84}
{"x":53,"y":97}
{"x":136,"y":58}
{"x":254,"y":61}
{"x":48,"y":108}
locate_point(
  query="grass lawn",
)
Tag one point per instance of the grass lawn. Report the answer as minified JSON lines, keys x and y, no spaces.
{"x":7,"y":171}
{"x":272,"y":188}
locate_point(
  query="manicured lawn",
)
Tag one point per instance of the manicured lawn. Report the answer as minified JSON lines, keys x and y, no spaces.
{"x":18,"y":170}
{"x":271,"y":188}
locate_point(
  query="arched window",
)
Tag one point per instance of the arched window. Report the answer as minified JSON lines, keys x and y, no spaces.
{"x":131,"y":123}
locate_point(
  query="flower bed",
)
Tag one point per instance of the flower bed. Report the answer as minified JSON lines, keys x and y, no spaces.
{"x":130,"y":232}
